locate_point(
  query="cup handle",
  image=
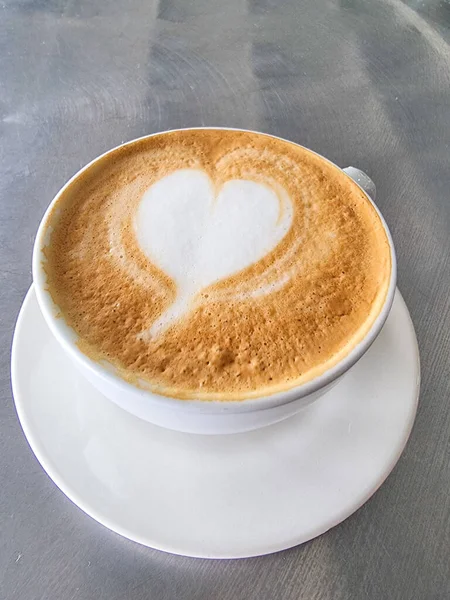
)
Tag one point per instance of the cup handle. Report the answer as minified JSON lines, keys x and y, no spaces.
{"x":362,"y":180}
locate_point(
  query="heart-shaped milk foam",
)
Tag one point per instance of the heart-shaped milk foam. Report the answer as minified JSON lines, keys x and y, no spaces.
{"x":199,"y":236}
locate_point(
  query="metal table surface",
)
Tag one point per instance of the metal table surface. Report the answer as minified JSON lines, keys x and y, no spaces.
{"x":362,"y":82}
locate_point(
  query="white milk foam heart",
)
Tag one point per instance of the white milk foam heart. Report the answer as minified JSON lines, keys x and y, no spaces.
{"x":199,"y":236}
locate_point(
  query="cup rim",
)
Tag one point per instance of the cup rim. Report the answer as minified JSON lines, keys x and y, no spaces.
{"x":66,"y":336}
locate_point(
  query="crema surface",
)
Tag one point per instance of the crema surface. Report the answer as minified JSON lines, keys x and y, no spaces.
{"x":216,"y":264}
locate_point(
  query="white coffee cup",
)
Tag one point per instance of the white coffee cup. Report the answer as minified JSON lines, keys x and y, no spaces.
{"x":199,"y":416}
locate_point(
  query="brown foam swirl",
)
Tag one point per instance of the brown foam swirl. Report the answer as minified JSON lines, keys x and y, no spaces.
{"x":276,"y":323}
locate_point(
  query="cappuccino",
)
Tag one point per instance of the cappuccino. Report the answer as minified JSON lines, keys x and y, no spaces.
{"x":216,"y":264}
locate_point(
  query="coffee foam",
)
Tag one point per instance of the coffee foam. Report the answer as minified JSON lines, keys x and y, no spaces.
{"x":217,"y":264}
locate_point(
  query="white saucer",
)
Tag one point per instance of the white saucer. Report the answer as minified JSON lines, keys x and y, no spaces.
{"x":218,"y":496}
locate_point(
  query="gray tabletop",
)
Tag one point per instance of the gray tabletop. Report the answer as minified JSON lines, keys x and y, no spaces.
{"x":363,"y":83}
